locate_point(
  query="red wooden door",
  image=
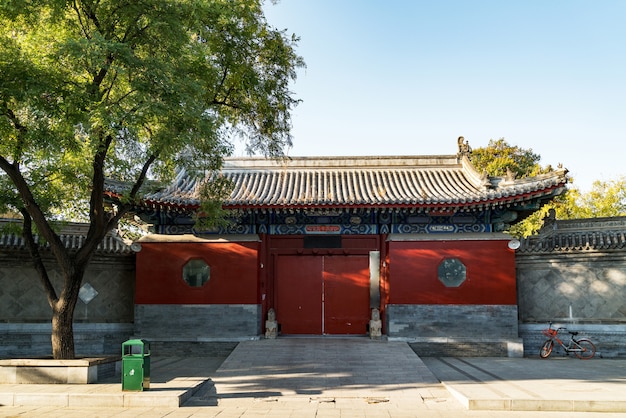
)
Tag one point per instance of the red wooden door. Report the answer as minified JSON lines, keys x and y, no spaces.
{"x":322,"y":294}
{"x":346,"y":294}
{"x":298,"y":286}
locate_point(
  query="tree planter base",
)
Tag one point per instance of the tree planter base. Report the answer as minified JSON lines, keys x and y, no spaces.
{"x":44,"y":371}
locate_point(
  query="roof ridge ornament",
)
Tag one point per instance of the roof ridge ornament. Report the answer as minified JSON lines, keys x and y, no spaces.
{"x":464,"y":147}
{"x":549,"y":222}
{"x":485,"y":181}
{"x":510,"y":175}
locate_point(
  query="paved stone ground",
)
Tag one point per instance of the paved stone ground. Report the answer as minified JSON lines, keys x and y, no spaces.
{"x":334,"y":377}
{"x":324,"y":368}
{"x":554,"y":384}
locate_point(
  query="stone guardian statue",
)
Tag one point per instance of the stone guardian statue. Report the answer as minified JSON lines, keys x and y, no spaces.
{"x":271,"y":326}
{"x":376,"y":325}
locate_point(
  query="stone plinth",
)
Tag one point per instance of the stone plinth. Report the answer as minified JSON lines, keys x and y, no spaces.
{"x":78,"y":371}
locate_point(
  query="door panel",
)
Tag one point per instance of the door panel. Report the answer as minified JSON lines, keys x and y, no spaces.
{"x":298,"y":284}
{"x":317,"y":294}
{"x":346,"y":294}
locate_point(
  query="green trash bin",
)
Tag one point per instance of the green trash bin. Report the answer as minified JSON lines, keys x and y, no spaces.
{"x":135,"y":365}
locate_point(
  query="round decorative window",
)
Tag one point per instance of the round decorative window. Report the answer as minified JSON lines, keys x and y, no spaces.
{"x":452,"y":272}
{"x":196,"y":273}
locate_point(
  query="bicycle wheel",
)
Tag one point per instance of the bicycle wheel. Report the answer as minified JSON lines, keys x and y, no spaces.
{"x":588,"y":349}
{"x":546,"y":349}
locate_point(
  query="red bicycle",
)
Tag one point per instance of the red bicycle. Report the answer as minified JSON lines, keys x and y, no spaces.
{"x":582,"y":348}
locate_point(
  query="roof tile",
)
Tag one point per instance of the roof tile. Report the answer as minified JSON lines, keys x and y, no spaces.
{"x":578,"y":235}
{"x":359,"y":181}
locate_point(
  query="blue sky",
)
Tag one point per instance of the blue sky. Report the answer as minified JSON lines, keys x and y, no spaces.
{"x":400,"y":77}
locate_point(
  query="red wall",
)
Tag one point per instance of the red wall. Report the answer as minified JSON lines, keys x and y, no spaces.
{"x":234,"y":273}
{"x":413,"y":275}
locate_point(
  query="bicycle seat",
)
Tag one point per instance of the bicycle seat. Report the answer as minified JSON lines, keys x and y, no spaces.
{"x":573,"y":332}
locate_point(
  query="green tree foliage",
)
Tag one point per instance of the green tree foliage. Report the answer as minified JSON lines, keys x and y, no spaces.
{"x":498,"y":157}
{"x":533,"y":223}
{"x":130,"y":90}
{"x":605,"y":199}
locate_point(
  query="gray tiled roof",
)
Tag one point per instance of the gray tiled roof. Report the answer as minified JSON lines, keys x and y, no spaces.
{"x":597,"y":234}
{"x":73,"y":238}
{"x":108,"y":246}
{"x":422,"y":181}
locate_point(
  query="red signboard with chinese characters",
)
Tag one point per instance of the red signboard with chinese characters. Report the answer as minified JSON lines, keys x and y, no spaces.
{"x":322,"y":229}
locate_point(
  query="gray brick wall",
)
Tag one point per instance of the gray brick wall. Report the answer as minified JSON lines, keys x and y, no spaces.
{"x":192,"y":348}
{"x":100,"y":326}
{"x":197,"y":322}
{"x":452,"y":321}
{"x":567,"y":286}
{"x":33,"y":340}
{"x":580,"y":290}
{"x":23,"y":299}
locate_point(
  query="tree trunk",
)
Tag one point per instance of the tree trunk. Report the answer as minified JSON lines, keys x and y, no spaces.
{"x":63,"y":333}
{"x":63,"y":316}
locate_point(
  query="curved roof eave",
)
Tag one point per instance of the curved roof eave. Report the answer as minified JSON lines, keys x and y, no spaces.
{"x":467,"y":205}
{"x":448,"y":182}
